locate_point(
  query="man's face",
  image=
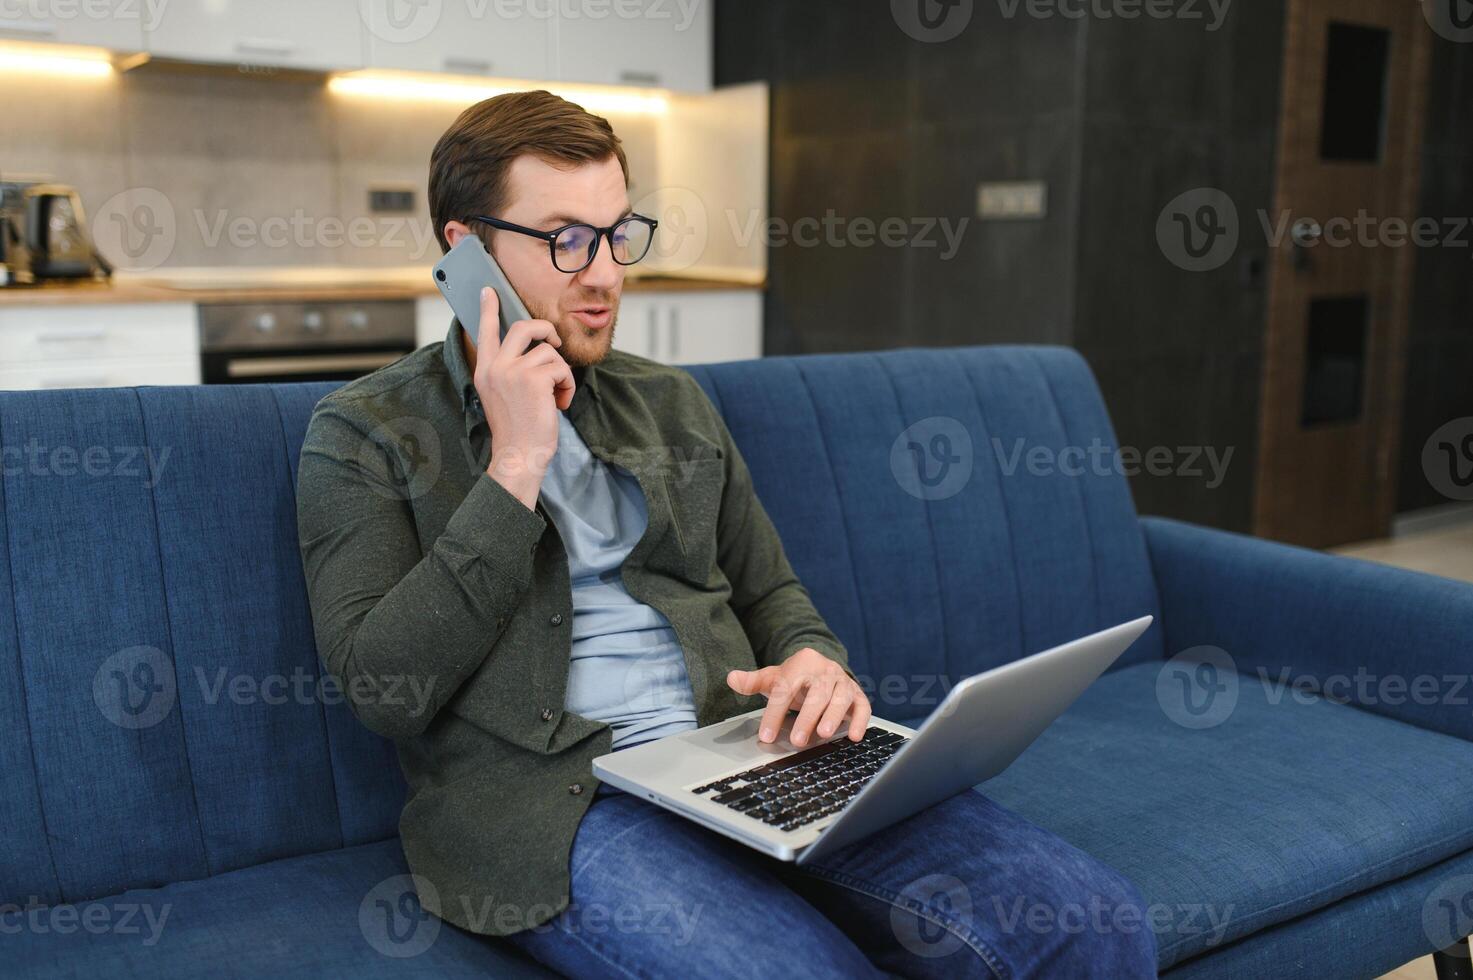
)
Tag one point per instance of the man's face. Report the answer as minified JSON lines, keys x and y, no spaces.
{"x":582,"y":306}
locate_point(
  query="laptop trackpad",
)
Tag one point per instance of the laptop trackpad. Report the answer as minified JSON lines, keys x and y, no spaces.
{"x":739,"y":740}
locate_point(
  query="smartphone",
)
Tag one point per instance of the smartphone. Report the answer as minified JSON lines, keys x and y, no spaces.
{"x":461,"y":275}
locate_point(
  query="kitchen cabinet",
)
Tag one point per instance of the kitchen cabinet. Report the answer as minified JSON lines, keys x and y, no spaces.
{"x":503,"y":40}
{"x":674,"y":326}
{"x":696,"y":327}
{"x":99,"y":346}
{"x":432,"y":316}
{"x":322,"y":34}
{"x":653,"y":43}
{"x":114,"y":24}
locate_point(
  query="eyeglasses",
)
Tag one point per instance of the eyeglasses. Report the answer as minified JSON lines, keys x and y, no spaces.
{"x":573,"y":246}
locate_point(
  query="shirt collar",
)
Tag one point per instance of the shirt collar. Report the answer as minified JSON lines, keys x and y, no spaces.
{"x":584,"y":378}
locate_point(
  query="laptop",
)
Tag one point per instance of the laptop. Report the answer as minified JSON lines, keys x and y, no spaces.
{"x":798,"y":804}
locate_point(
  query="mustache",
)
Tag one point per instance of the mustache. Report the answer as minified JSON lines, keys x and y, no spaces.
{"x":598,"y":297}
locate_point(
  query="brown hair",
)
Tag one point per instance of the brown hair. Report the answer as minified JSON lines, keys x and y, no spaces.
{"x":469,"y":164}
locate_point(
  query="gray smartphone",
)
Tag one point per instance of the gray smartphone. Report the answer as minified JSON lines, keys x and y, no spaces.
{"x":461,"y":275}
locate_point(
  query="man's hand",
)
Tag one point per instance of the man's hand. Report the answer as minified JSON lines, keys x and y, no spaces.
{"x":814,"y":684}
{"x":521,"y":393}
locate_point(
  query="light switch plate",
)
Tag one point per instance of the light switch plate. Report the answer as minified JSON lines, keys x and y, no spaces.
{"x":1019,"y":200}
{"x":394,"y":200}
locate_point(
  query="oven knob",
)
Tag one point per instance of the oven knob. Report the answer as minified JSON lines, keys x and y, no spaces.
{"x":313,"y":321}
{"x":358,"y":320}
{"x":265,"y":322}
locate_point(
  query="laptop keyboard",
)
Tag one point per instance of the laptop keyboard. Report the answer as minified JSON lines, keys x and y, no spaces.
{"x":806,"y":786}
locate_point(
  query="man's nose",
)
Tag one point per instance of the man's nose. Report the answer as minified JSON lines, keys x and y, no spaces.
{"x":603,"y":272}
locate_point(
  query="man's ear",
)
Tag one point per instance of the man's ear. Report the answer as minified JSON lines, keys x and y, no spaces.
{"x":455,"y":231}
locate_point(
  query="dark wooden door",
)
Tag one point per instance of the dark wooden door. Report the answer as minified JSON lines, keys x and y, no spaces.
{"x":1347,"y":173}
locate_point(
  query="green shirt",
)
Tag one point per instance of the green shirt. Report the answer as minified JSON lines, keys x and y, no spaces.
{"x":442,"y":606}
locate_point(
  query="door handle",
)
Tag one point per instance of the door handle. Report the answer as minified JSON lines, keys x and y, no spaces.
{"x":1305,"y":234}
{"x":468,"y":66}
{"x":674,"y":332}
{"x":264,"y":45}
{"x":652,"y":345}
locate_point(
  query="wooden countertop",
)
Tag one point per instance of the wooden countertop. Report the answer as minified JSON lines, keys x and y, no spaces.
{"x":365,"y":290}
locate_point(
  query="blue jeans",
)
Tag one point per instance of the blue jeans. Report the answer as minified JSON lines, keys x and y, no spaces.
{"x":963,"y":889}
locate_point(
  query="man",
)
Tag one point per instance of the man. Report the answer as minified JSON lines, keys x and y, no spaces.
{"x":520,"y":558}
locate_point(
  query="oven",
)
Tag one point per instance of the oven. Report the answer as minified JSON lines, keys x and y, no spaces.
{"x":244,"y":343}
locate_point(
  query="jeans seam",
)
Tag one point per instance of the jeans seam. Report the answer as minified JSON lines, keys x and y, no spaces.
{"x":893,"y":899}
{"x":603,"y":956}
{"x":632,"y":827}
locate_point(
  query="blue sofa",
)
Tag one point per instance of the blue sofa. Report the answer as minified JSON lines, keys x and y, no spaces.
{"x":181,"y":796}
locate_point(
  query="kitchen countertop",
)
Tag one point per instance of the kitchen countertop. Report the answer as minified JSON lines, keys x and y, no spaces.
{"x":297,"y":286}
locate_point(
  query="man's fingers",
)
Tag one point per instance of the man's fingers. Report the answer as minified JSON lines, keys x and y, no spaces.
{"x":815,"y":700}
{"x":779,"y":697}
{"x":489,"y":334}
{"x":860,"y":720}
{"x":751,"y":681}
{"x":839,"y":702}
{"x":561,"y":377}
{"x":523,"y":333}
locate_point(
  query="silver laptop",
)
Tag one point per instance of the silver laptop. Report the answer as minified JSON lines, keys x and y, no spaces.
{"x":797,"y":804}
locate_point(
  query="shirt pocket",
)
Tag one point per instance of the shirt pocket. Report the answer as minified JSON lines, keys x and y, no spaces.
{"x":694,"y":490}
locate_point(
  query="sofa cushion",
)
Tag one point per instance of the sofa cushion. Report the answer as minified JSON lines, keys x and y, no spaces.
{"x":1287,"y":806}
{"x":156,"y":654}
{"x":343,"y":913}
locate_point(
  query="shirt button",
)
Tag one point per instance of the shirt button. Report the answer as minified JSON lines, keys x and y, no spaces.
{"x":557,"y":619}
{"x":547,"y":714}
{"x":576,"y":788}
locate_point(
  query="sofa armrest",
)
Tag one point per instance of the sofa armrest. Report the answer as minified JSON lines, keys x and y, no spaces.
{"x":1392,"y":641}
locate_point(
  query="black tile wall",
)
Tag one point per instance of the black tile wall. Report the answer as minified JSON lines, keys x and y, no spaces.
{"x":1117,"y":117}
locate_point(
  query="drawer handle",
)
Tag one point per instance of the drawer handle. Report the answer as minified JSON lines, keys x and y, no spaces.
{"x":71,"y":336}
{"x":256,"y":367}
{"x":639,"y":77}
{"x":264,"y":45}
{"x":469,"y":66}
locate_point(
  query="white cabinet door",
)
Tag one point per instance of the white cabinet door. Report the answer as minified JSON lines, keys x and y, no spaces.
{"x":114,"y":24}
{"x":124,"y":373}
{"x":99,"y":345}
{"x":703,"y":327}
{"x":697,"y":327}
{"x":319,"y":34}
{"x":507,"y":40}
{"x":635,"y":330}
{"x":47,"y":335}
{"x":657,"y":43}
{"x":432,"y":316}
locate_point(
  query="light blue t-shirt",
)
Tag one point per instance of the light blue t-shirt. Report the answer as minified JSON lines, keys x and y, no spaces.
{"x":627,"y":666}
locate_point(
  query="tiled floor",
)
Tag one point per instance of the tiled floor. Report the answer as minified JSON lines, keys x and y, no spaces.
{"x":1449,"y":552}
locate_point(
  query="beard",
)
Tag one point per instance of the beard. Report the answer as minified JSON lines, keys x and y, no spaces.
{"x":582,"y":346}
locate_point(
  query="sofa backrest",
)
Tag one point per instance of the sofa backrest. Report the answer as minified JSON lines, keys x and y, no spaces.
{"x":948,"y":509}
{"x":159,"y":685}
